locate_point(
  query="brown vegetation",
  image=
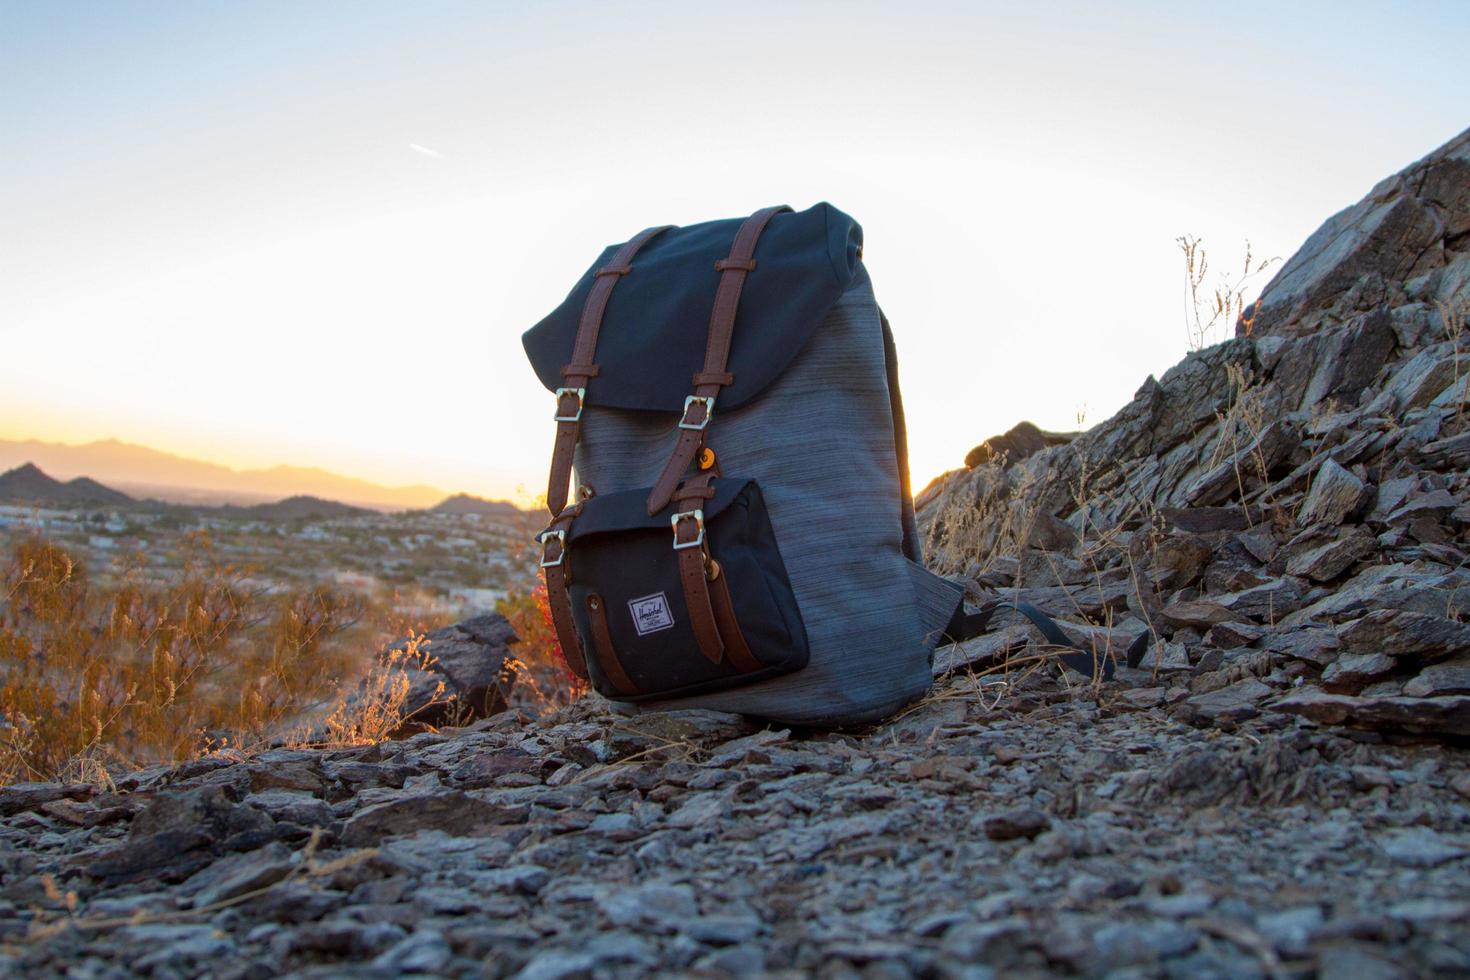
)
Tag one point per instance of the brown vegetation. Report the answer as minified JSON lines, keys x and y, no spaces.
{"x":101,"y":677}
{"x":93,"y":677}
{"x":542,"y":677}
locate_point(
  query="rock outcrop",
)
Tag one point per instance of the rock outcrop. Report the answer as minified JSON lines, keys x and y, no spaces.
{"x":1286,"y":513}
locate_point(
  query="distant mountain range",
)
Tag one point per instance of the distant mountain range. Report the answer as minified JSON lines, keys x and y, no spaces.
{"x":177,"y":479}
{"x":463,"y":503}
{"x":28,"y":484}
{"x":295,"y":508}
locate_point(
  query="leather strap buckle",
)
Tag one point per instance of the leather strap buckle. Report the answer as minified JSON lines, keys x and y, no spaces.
{"x":578,"y":393}
{"x":697,"y":516}
{"x":708,"y":401}
{"x":560,"y":537}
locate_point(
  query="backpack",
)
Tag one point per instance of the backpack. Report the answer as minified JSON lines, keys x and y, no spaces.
{"x":742,"y":537}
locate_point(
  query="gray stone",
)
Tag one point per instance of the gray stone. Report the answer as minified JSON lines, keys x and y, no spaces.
{"x":1314,"y":645}
{"x":1195,"y":613}
{"x":652,"y":907}
{"x":1352,"y":672}
{"x":1426,"y":911}
{"x":23,"y":797}
{"x":1434,"y":505}
{"x":526,"y":879}
{"x":1233,"y":703}
{"x":1419,"y":847}
{"x":1291,"y":931}
{"x":1422,"y":716}
{"x":1268,"y":602}
{"x":292,"y":806}
{"x":558,"y":964}
{"x":1327,"y":561}
{"x":211,"y":810}
{"x":702,"y":810}
{"x":1449,"y":677}
{"x":1423,"y":376}
{"x":1336,"y":492}
{"x":1014,"y":824}
{"x":621,"y":947}
{"x":723,"y":930}
{"x":735,"y":961}
{"x":1230,"y":636}
{"x":451,"y":811}
{"x":1123,"y":944}
{"x":1356,"y":961}
{"x":1390,"y":495}
{"x":425,"y":951}
{"x":1452,"y":454}
{"x":183,"y":944}
{"x":1405,"y":634}
{"x":239,"y":874}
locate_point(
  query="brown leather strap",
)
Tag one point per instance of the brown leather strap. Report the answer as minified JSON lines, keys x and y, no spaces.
{"x":555,"y":570}
{"x":735,"y":646}
{"x":699,"y":407}
{"x":690,"y":549}
{"x":575,"y":375}
{"x":602,"y":646}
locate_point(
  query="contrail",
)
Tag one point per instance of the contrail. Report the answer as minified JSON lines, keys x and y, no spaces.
{"x":426,"y":151}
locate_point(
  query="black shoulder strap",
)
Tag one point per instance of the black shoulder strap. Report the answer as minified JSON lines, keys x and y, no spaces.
{"x":968,"y":625}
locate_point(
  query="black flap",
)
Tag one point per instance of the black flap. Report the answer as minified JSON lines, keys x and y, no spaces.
{"x":653,"y":334}
{"x":628,"y":510}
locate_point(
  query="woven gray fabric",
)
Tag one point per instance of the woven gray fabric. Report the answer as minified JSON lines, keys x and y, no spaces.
{"x":820,"y":443}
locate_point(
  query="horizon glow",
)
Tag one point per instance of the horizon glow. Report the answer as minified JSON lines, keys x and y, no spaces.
{"x":312,"y":235}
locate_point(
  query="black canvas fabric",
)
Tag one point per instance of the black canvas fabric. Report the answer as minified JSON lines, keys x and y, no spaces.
{"x":653,"y":333}
{"x":617,"y":551}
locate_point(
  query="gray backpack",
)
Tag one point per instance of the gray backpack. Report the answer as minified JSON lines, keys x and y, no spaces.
{"x":742,"y":537}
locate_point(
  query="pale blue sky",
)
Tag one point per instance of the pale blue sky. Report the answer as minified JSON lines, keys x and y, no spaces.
{"x":217,"y":238}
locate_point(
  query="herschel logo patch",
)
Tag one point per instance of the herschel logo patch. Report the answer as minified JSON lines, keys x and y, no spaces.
{"x":651,"y":614}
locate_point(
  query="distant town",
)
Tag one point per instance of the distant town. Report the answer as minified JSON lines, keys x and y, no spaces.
{"x":428,"y":566}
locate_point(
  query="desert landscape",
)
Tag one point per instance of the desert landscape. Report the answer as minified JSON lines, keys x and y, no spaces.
{"x":1281,"y":789}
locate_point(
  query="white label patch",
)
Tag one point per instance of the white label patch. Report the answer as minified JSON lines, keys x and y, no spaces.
{"x":651,"y":614}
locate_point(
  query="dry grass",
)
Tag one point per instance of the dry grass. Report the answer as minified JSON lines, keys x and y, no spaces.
{"x":47,"y":924}
{"x":997,"y":524}
{"x":1212,"y":312}
{"x":543,"y":681}
{"x":378,"y":708}
{"x":1453,"y":318}
{"x":1241,"y":427}
{"x":96,"y":678}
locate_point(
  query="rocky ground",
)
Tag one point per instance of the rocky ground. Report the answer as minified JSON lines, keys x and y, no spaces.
{"x":1282,"y":789}
{"x":1006,"y":826}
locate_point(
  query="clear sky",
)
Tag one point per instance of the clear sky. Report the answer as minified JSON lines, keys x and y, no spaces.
{"x":312,"y":233}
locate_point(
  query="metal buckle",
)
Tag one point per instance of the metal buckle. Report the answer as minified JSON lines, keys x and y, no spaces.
{"x":545,"y":537}
{"x":581,"y":394}
{"x":698,"y":516}
{"x":709,"y":412}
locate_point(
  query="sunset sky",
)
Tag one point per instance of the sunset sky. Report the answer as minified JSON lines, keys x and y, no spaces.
{"x":312,"y":233}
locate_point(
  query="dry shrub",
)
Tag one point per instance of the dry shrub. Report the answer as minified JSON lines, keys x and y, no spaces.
{"x":995,"y":522}
{"x":1212,"y":311}
{"x":1453,"y":317}
{"x":375,"y":710}
{"x":144,"y":672}
{"x":542,"y":678}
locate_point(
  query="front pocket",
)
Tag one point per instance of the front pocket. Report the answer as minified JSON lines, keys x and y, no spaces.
{"x":659,"y":622}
